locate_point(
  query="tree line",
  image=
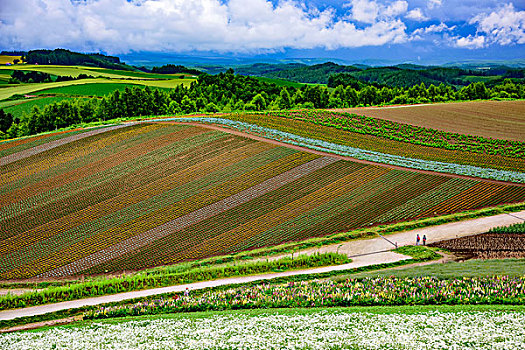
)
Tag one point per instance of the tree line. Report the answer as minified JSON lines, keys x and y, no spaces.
{"x":227,"y":92}
{"x":19,"y":76}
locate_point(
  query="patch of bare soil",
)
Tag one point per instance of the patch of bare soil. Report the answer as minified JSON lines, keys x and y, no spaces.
{"x":487,"y":246}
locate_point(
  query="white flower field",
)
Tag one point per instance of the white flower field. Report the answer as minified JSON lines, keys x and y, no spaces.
{"x":323,"y":329}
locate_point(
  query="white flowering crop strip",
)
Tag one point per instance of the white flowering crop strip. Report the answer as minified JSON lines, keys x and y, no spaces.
{"x":358,"y":153}
{"x":316,"y":330}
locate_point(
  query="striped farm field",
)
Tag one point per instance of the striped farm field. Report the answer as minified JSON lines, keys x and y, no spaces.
{"x":133,"y":196}
{"x":392,"y":138}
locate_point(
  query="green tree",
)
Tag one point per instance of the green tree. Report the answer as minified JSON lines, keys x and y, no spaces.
{"x":285,"y":100}
{"x":259,"y":102}
{"x":6,"y":120}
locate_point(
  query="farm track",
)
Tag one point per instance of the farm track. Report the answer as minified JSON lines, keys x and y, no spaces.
{"x":327,"y":154}
{"x":383,"y":257}
{"x":365,"y":252}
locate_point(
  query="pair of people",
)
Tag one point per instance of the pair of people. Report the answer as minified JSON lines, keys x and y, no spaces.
{"x":418,"y":239}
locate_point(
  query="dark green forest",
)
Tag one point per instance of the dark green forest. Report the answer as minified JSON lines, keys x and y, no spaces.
{"x":403,"y":75}
{"x":227,"y":92}
{"x":70,"y":58}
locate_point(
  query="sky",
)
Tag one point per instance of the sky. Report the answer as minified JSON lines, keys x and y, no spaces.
{"x":403,"y":30}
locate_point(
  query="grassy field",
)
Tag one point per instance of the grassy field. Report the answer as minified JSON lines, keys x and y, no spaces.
{"x":468,"y":268}
{"x":280,"y":82}
{"x":495,"y":119}
{"x":91,"y":89}
{"x":22,"y":89}
{"x":103,"y":203}
{"x":73,"y":71}
{"x":21,"y":107}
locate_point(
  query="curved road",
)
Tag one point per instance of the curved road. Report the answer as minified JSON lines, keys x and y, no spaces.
{"x":363,"y":252}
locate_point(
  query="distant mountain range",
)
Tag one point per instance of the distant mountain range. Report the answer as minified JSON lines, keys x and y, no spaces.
{"x":314,"y":71}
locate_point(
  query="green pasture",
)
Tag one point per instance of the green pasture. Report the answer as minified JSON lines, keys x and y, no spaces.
{"x":23,"y":89}
{"x":73,"y":71}
{"x":468,"y":268}
{"x":20,"y":107}
{"x":91,"y":89}
{"x":138,"y":74}
{"x":477,"y":79}
{"x":280,"y":82}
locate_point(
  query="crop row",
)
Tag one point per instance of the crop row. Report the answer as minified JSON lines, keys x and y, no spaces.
{"x":376,"y":291}
{"x":14,"y":146}
{"x":95,"y":167}
{"x":81,"y":149}
{"x":378,"y":144}
{"x":114,"y":184}
{"x":171,"y":245}
{"x":407,"y":133}
{"x":154,"y":219}
{"x":515,"y":228}
{"x":197,"y":162}
{"x":280,"y":216}
{"x":366,"y":154}
{"x":155,"y":233}
{"x":32,"y":165}
{"x":150,"y":198}
{"x":486,"y":242}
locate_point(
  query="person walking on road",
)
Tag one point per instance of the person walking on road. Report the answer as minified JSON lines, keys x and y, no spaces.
{"x":424,"y":240}
{"x":418,"y":239}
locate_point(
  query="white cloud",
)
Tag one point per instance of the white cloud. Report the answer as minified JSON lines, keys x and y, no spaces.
{"x":434,"y":28}
{"x":431,"y":4}
{"x":365,"y":11}
{"x":417,"y":15}
{"x":504,"y":26}
{"x":118,"y":26}
{"x":470,"y":42}
{"x":369,"y":11}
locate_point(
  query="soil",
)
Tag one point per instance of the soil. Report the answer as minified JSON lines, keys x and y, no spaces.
{"x":487,"y":246}
{"x":491,"y":119}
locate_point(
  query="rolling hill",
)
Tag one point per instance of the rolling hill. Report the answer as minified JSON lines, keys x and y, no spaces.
{"x":141,"y":195}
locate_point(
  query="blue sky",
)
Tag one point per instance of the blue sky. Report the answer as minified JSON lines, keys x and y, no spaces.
{"x":403,"y":30}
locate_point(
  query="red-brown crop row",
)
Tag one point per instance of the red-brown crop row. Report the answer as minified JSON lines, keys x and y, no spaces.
{"x":112,"y":189}
{"x":191,"y":180}
{"x":374,"y":143}
{"x":179,"y":193}
{"x":95,"y":166}
{"x":158,"y":217}
{"x":487,"y":245}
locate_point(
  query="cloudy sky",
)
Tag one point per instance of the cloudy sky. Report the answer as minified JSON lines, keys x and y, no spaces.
{"x":374,"y":28}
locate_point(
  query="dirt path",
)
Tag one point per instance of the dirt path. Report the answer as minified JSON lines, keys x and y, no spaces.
{"x":385,"y":257}
{"x":364,"y":252}
{"x":328,"y":154}
{"x":433,"y":234}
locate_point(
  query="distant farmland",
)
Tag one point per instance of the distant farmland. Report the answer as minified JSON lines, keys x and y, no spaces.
{"x":154,"y":194}
{"x":495,"y":119}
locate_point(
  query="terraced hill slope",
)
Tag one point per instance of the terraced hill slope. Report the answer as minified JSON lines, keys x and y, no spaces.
{"x":142,"y":195}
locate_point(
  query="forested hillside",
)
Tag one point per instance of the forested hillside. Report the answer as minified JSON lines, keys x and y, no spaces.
{"x":227,"y":92}
{"x":404,"y":75}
